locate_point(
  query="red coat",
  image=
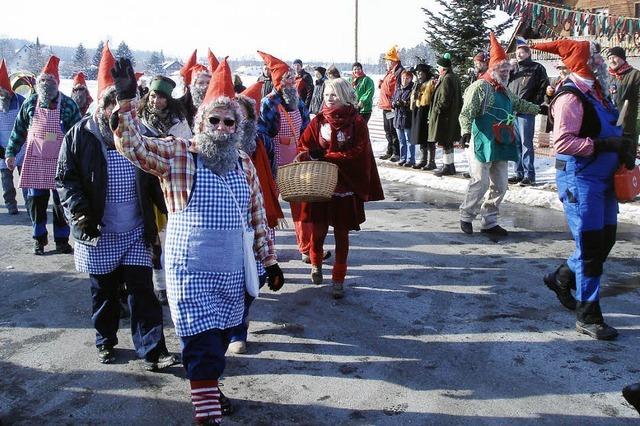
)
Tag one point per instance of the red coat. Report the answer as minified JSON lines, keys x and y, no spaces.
{"x":269,"y":188}
{"x":357,"y":173}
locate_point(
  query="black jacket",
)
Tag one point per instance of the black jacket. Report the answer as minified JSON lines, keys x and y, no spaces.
{"x":529,"y":81}
{"x":401,"y":102}
{"x":318,"y":96}
{"x":81,"y":181}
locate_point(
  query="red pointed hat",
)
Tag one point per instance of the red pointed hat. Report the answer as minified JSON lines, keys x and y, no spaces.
{"x":5,"y":83}
{"x":107,"y":61}
{"x":213,"y":61}
{"x":496,"y":52}
{"x":138,"y":75}
{"x":221,"y":84}
{"x":277,"y":67}
{"x":575,"y":54}
{"x":185,"y":71}
{"x":79,"y":79}
{"x":195,"y":70}
{"x":51,"y":67}
{"x":255,"y":92}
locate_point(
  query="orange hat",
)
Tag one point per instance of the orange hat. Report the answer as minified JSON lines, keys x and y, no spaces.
{"x":185,"y":71}
{"x":392,"y":54}
{"x":496,"y":52}
{"x":254,"y":92}
{"x":138,"y":75}
{"x":221,"y":84}
{"x":51,"y":68}
{"x":79,"y":79}
{"x":195,"y":70}
{"x":5,"y":83}
{"x":107,"y":61}
{"x":575,"y":54}
{"x":277,"y":67}
{"x":213,"y":61}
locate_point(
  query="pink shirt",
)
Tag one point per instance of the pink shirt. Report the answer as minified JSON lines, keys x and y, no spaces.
{"x":568,"y":113}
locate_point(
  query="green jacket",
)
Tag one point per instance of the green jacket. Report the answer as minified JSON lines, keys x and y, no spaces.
{"x":365,"y":88}
{"x":445,"y":107}
{"x":628,"y":88}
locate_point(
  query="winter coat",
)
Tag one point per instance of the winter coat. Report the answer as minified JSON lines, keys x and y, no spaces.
{"x":304,"y":84}
{"x":81,"y":181}
{"x":187,"y":103}
{"x":179,"y":129}
{"x":317,"y":98}
{"x":267,"y":85}
{"x":445,"y":109}
{"x":529,"y":81}
{"x":401,"y":102}
{"x":388,"y":85}
{"x":628,"y":88}
{"x":365,"y":89}
{"x":421,"y":98}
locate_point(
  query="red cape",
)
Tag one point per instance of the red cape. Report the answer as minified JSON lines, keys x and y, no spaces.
{"x":269,"y":189}
{"x":357,"y":170}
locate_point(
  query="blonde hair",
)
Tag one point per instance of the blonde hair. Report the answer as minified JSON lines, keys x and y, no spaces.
{"x":343,"y":90}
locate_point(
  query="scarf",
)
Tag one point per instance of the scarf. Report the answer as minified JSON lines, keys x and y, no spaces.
{"x":160,"y":121}
{"x":620,"y":71}
{"x":493,"y":82}
{"x":341,"y":119}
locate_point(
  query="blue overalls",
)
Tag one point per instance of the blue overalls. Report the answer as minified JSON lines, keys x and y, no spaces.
{"x":585,"y":187}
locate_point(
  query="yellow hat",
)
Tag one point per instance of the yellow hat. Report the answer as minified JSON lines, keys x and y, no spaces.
{"x":392,"y":54}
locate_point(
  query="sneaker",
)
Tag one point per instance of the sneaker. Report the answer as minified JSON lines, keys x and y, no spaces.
{"x":600,"y":331}
{"x":316,"y":275}
{"x":38,"y":248}
{"x":632,"y":394}
{"x":161,"y":295}
{"x":401,"y":163}
{"x":420,"y":165}
{"x":467,"y":227}
{"x":106,"y":354}
{"x":385,"y":156}
{"x":306,"y":259}
{"x":164,"y":360}
{"x":563,"y":293}
{"x":408,"y":165}
{"x":225,"y":404}
{"x":337,"y":290}
{"x":64,"y":248}
{"x":515,"y":179}
{"x":238,"y":347}
{"x":496,"y":230}
{"x":431,"y":165}
{"x":394,"y":158}
{"x":527,"y":182}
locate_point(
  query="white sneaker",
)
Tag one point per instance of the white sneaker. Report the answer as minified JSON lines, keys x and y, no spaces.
{"x":238,"y":347}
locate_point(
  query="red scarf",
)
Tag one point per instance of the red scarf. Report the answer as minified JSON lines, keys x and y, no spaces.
{"x":340,"y":118}
{"x":620,"y":71}
{"x":492,"y":81}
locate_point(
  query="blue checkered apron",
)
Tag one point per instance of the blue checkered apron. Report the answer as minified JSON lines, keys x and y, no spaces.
{"x":203,"y":254}
{"x":122,"y":248}
{"x":7,"y":119}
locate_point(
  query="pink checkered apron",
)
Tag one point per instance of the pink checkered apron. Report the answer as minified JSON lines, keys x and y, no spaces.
{"x":43,"y":145}
{"x":287,"y":137}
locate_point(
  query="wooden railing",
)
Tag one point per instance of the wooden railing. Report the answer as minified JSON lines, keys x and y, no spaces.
{"x":629,"y":45}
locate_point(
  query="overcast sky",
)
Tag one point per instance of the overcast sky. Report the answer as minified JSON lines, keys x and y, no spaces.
{"x":290,"y":29}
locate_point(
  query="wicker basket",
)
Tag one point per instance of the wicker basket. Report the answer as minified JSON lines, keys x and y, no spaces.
{"x":307,"y":181}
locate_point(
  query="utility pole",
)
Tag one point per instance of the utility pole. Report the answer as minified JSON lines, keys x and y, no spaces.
{"x":356,"y":32}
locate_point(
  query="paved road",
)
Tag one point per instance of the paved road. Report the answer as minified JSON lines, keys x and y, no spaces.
{"x":437,"y":327}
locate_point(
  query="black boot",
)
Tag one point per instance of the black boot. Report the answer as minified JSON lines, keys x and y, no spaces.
{"x":446,"y":170}
{"x":632,"y":394}
{"x":431,"y":151}
{"x":560,"y":282}
{"x":589,"y":321}
{"x":424,"y":157}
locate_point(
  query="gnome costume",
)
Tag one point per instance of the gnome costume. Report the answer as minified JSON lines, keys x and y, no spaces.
{"x":41,"y":124}
{"x":80,"y":93}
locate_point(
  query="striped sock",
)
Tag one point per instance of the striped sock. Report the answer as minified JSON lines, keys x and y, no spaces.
{"x":205,"y":398}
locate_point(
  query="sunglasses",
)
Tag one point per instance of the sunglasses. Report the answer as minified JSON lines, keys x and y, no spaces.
{"x":229,"y":122}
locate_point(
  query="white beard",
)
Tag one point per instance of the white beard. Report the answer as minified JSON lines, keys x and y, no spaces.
{"x":219,"y":151}
{"x":249,"y":130}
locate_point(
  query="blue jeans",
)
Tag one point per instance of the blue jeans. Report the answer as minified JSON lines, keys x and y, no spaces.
{"x":407,"y":150}
{"x":525,"y":165}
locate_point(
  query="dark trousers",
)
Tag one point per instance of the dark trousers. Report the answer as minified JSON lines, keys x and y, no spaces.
{"x":393,"y":144}
{"x":366,"y":116}
{"x":203,"y":354}
{"x":146,"y":312}
{"x":8,"y":189}
{"x":37,"y":203}
{"x":239,"y":332}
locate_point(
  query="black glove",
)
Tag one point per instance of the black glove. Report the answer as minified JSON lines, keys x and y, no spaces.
{"x":124,"y":79}
{"x":275,"y":277}
{"x":624,"y":146}
{"x":544,"y":109}
{"x":464,"y":140}
{"x":316,"y":154}
{"x":87,"y":225}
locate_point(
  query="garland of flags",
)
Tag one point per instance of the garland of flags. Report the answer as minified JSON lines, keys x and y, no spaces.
{"x":552,"y":20}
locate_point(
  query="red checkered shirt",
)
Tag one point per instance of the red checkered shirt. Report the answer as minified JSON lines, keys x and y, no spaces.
{"x":171,"y":160}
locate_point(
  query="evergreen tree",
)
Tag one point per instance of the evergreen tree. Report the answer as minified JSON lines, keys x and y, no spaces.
{"x":92,"y":69}
{"x":36,"y":58}
{"x":80,"y":59}
{"x":124,"y":52}
{"x":6,"y":50}
{"x":460,"y":28}
{"x":154,"y":64}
